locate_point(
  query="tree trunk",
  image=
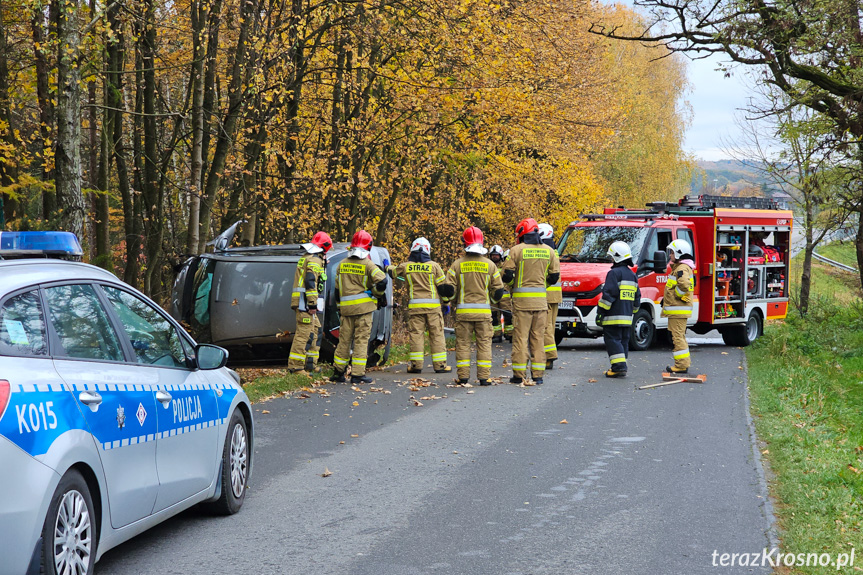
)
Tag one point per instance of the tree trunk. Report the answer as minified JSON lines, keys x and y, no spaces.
{"x":151,"y":190}
{"x":8,"y":167}
{"x":68,"y":156}
{"x":200,"y":17}
{"x":240,"y":76}
{"x":46,"y":106}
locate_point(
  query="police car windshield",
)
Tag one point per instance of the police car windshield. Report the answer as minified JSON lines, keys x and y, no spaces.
{"x":589,"y":244}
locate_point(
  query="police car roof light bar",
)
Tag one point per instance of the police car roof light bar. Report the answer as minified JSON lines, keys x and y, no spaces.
{"x":44,"y":244}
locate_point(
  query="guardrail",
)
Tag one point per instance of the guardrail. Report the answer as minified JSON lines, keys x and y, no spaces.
{"x":834,"y":263}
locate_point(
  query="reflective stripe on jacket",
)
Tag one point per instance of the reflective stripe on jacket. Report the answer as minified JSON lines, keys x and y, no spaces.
{"x":356,"y":279}
{"x":531,"y":264}
{"x":307,"y":281}
{"x":475,"y":279}
{"x":677,"y":300}
{"x":621,"y":296}
{"x":422,"y":279}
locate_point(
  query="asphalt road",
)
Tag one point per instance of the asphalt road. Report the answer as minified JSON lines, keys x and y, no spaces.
{"x":491,"y":480}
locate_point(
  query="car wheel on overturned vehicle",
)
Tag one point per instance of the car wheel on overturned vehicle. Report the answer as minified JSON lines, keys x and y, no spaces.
{"x":69,"y":534}
{"x":235,"y":467}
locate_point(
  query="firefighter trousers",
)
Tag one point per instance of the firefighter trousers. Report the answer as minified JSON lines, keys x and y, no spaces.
{"x":354,"y":331}
{"x":528,"y":338}
{"x":463,"y":332}
{"x":677,"y":327}
{"x":617,"y":345}
{"x":301,"y":348}
{"x":551,"y":320}
{"x":417,"y":325}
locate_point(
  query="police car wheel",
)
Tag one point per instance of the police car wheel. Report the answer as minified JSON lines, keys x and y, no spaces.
{"x":69,"y":534}
{"x":235,"y":467}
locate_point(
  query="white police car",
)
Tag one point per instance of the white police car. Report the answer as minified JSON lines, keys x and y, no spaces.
{"x":112,"y":419}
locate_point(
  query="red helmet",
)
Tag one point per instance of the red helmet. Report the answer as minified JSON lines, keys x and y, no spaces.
{"x":323,"y":241}
{"x":362,"y":239}
{"x":525,"y":227}
{"x":472,"y":235}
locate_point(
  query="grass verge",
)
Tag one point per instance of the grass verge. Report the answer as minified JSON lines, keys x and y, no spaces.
{"x":262,"y":384}
{"x":806,"y":386}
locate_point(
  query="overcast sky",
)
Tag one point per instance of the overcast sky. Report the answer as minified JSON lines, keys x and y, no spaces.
{"x":715,"y":100}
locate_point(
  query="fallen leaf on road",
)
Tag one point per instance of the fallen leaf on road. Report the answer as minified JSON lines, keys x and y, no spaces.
{"x":591,"y":381}
{"x":471,"y":391}
{"x":265,"y":411}
{"x":326,"y":472}
{"x":355,"y":435}
{"x":417,"y":403}
{"x":429,"y":398}
{"x":356,"y":403}
{"x":285,"y":333}
{"x":564,"y":421}
{"x":724,"y":353}
{"x":235,"y":302}
{"x":326,"y":415}
{"x":341,"y":442}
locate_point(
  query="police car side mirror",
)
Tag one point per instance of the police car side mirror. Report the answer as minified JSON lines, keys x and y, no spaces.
{"x":660,"y":261}
{"x":210,"y":356}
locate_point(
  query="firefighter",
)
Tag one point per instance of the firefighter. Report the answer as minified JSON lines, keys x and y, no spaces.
{"x":554,"y":295}
{"x":619,"y":302}
{"x":309,"y":279}
{"x":530,"y":268}
{"x":424,"y":278}
{"x":475,"y":285}
{"x":504,"y":306}
{"x":359,"y":285}
{"x":677,"y":301}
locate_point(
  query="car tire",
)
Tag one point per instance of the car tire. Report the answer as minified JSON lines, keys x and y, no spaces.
{"x":71,"y":519}
{"x":235,"y":467}
{"x":558,"y":337}
{"x":643,"y":331}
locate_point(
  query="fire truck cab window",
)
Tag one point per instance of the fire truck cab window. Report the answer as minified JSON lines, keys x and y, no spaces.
{"x":659,"y":241}
{"x":589,"y":244}
{"x":684,"y":234}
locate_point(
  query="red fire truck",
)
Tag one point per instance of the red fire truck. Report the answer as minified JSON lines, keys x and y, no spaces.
{"x":742,"y":249}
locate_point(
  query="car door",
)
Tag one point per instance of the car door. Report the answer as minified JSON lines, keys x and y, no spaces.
{"x":187,"y":441}
{"x":117,"y":399}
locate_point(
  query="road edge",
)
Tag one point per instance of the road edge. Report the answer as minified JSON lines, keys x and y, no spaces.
{"x":762,"y":465}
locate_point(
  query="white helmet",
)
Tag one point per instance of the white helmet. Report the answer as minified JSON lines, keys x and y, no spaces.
{"x":679,"y":248}
{"x":496,"y":249}
{"x":421,"y":245}
{"x":619,"y":251}
{"x":546,"y":232}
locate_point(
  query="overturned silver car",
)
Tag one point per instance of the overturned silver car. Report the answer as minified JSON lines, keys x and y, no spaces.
{"x":240,"y":299}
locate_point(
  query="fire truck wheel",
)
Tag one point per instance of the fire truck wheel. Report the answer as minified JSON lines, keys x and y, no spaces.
{"x":743,"y":335}
{"x":643,"y":331}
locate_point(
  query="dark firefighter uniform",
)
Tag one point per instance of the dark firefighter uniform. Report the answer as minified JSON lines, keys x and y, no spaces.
{"x":614,"y":313}
{"x":476,"y":286}
{"x":360,"y":282}
{"x":424,"y":312}
{"x":309,"y":279}
{"x":530,"y":268}
{"x":677,"y":307}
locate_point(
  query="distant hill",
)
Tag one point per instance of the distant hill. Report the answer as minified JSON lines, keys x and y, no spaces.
{"x":732,"y":177}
